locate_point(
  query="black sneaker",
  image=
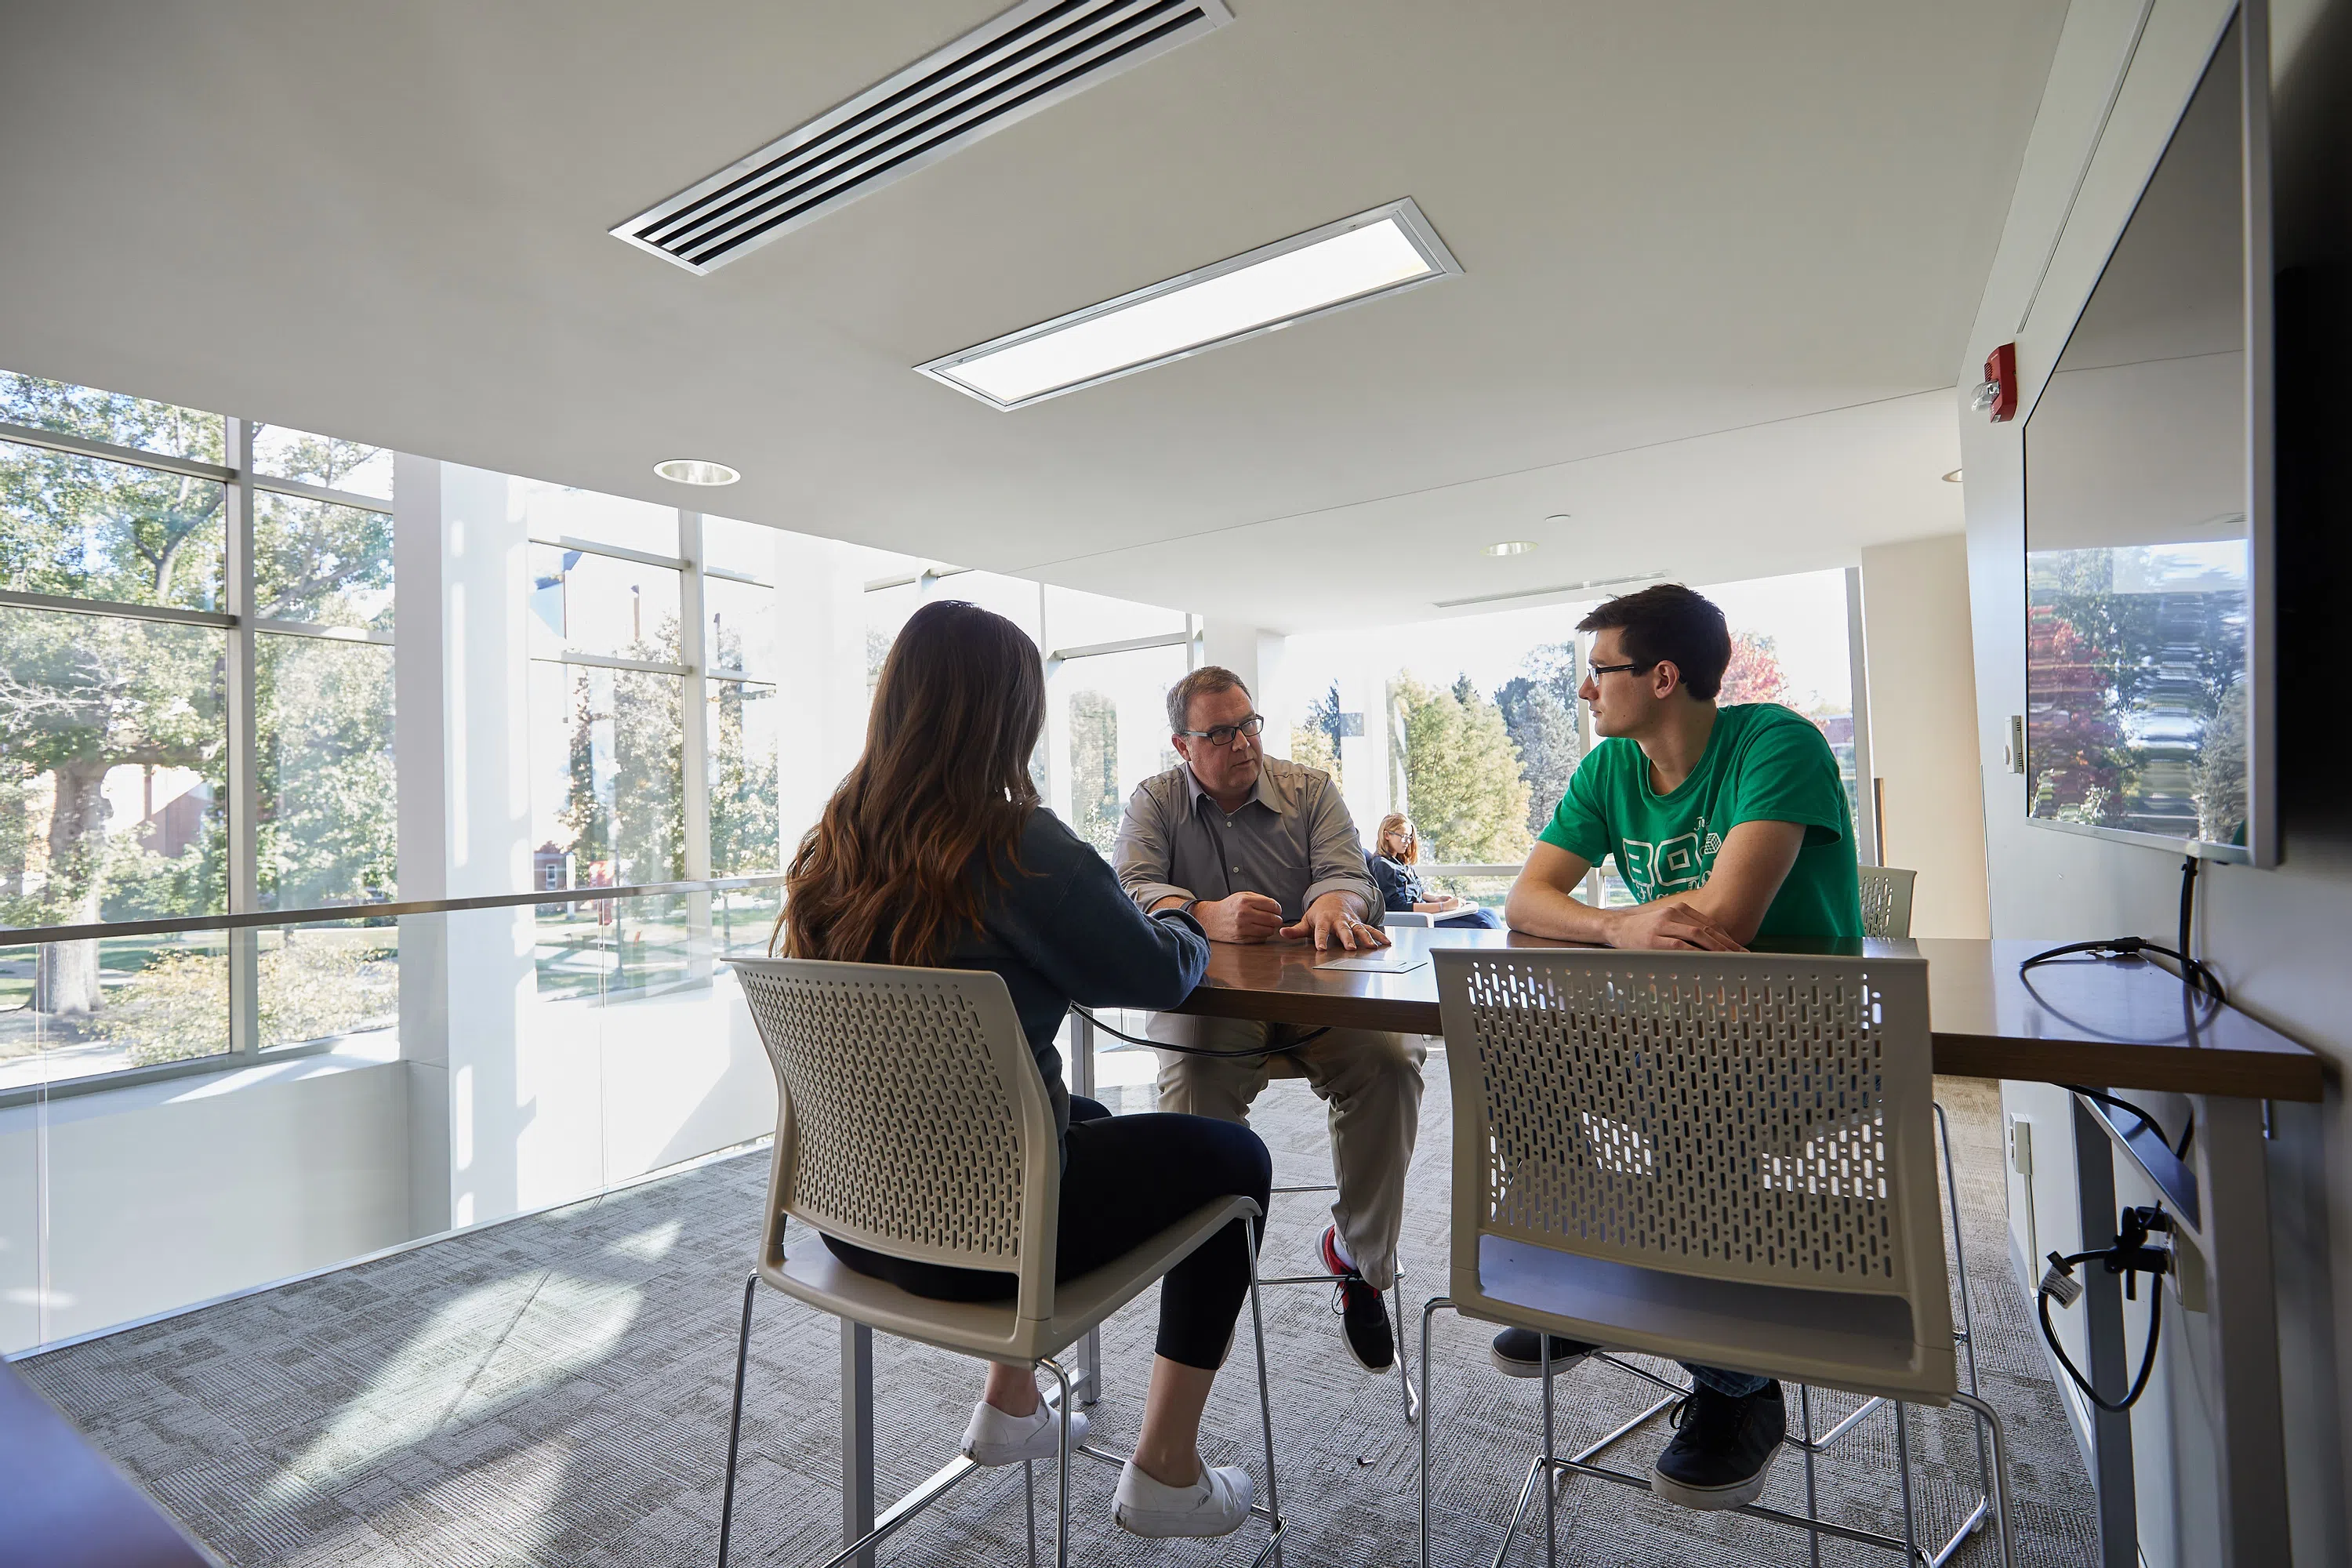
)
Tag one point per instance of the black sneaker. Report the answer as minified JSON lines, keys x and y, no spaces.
{"x":1363,"y":1315}
{"x":1722,"y":1449}
{"x":1518,"y":1353}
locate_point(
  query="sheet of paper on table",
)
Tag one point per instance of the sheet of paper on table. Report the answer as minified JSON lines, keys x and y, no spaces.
{"x":1386,"y":961}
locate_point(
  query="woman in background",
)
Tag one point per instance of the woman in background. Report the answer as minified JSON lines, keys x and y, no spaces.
{"x":1397,"y":851}
{"x":935,"y":851}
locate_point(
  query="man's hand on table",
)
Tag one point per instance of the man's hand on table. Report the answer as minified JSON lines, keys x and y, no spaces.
{"x":1331,"y":920}
{"x":1669,"y":922}
{"x":1243,"y":916}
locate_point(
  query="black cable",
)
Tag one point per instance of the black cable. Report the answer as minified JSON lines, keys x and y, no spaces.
{"x":2187,"y":904}
{"x":2147,"y":1356}
{"x":2192,"y":973}
{"x":2104,"y":1097}
{"x":1201,"y":1050}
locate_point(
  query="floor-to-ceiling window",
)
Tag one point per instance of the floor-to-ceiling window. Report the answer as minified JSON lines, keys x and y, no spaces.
{"x":195,"y":719}
{"x":1472,"y":724}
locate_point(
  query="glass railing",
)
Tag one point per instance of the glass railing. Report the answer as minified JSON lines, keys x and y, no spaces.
{"x":371,"y":1077}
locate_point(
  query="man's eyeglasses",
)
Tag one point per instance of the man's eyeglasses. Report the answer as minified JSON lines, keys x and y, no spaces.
{"x":1598,"y":670}
{"x":1225,"y":735}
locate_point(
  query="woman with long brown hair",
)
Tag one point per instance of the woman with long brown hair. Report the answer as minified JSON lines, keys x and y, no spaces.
{"x":935,"y":851}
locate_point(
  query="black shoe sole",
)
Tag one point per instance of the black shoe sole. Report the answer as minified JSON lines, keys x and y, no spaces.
{"x":1736,"y":1494}
{"x":1509,"y":1367}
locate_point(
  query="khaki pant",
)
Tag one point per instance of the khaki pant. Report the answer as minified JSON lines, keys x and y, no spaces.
{"x":1372,"y":1083}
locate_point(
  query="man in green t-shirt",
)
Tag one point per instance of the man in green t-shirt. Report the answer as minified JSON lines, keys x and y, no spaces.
{"x":1727,"y":823}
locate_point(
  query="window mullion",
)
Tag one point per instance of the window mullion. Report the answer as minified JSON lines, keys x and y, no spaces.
{"x":241,"y":808}
{"x":694,"y":747}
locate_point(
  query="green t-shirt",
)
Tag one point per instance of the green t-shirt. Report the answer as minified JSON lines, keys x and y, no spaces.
{"x":1763,"y":764}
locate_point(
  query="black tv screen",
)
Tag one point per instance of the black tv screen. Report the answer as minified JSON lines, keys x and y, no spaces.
{"x":2143,"y":550}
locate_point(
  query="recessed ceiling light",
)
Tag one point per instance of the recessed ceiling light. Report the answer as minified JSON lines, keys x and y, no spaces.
{"x":1511,"y":546}
{"x":695,"y":472}
{"x":1953,"y":478}
{"x":1345,"y":263}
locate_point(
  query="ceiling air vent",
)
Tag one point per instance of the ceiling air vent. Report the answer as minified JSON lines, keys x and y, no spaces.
{"x":1036,"y":54}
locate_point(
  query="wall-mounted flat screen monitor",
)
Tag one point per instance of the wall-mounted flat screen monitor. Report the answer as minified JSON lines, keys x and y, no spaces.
{"x":2146,"y":542}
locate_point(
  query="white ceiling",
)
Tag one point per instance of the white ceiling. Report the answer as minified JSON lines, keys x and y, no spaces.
{"x":1720,"y":264}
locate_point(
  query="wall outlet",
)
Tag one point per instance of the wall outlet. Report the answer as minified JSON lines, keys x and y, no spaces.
{"x":2018,"y":1134}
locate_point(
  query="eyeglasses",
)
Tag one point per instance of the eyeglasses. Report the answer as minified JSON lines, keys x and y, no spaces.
{"x":1598,"y":670}
{"x":1225,"y":735}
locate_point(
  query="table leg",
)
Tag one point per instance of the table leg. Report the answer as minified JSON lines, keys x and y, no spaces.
{"x":2242,"y":1326}
{"x":1082,"y":1083}
{"x":856,"y":1435}
{"x":2103,"y":1328}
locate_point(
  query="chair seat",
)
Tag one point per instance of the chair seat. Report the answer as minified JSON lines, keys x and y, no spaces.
{"x":1856,"y":1341}
{"x":809,"y":1272}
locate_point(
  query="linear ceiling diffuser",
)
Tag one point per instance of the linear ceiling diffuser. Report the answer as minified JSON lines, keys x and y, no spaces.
{"x":1036,"y":54}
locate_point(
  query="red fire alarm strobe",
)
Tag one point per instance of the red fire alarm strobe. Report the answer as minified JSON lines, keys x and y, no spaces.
{"x":1998,"y":392}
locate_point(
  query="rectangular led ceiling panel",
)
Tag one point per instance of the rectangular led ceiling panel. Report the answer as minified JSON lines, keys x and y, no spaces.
{"x":1358,"y":259}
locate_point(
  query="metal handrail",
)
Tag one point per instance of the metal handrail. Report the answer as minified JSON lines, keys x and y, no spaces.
{"x":22,"y":936}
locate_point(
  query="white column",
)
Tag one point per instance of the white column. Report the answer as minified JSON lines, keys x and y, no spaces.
{"x":1364,"y":758}
{"x":479,"y":1111}
{"x":821,"y":644}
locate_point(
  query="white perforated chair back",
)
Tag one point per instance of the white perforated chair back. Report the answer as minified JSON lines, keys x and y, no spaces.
{"x":911,"y":1117}
{"x":1743,"y":1118}
{"x":1886,"y":901}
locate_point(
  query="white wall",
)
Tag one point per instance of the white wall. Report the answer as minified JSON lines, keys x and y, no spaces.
{"x":138,"y":1200}
{"x":1923,"y":704}
{"x":2277,"y":937}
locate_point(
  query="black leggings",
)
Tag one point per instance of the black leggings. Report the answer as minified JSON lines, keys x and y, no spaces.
{"x":1124,"y":1180}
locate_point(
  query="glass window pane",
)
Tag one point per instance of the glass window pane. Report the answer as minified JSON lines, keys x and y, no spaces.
{"x":351,"y":466}
{"x":111,"y":742}
{"x":743,"y":628}
{"x":110,"y":416}
{"x":585,"y":602}
{"x":744,"y":918}
{"x":88,"y":529}
{"x":1116,"y":707}
{"x":1074,"y":619}
{"x":742,"y":735}
{"x":745,"y":547}
{"x":78,"y":1009}
{"x":606,"y":749}
{"x":553,"y":513}
{"x":325,"y":779}
{"x":329,"y":981}
{"x":313,"y":561}
{"x":887,"y":610}
{"x":1014,"y":598}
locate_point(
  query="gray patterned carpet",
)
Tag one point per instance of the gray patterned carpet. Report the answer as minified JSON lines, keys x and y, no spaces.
{"x":554,"y":1391}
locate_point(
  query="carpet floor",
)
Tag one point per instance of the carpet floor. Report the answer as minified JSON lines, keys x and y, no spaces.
{"x":554,"y":1391}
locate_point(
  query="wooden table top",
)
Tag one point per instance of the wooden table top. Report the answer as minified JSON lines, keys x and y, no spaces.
{"x":2109,"y":1024}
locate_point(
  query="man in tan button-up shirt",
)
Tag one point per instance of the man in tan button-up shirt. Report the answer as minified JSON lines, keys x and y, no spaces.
{"x":1262,"y":850}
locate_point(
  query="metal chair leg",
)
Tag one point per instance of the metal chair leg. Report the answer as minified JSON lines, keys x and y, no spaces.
{"x":1428,"y":1311}
{"x":1903,"y":1469}
{"x":1813,"y":1497}
{"x":1990,"y":1420}
{"x":1551,"y":1514}
{"x":1960,"y":1268}
{"x":1405,"y":1368}
{"x":1264,"y":1393}
{"x":735,"y":1419}
{"x":1029,"y":1498}
{"x":1061,"y":1480}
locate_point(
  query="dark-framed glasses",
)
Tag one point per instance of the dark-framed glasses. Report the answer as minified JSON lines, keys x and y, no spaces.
{"x":1225,"y":735}
{"x":1598,"y":670}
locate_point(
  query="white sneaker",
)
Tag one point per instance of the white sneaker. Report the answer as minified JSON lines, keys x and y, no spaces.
{"x":992,"y":1438}
{"x":1215,"y":1505}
